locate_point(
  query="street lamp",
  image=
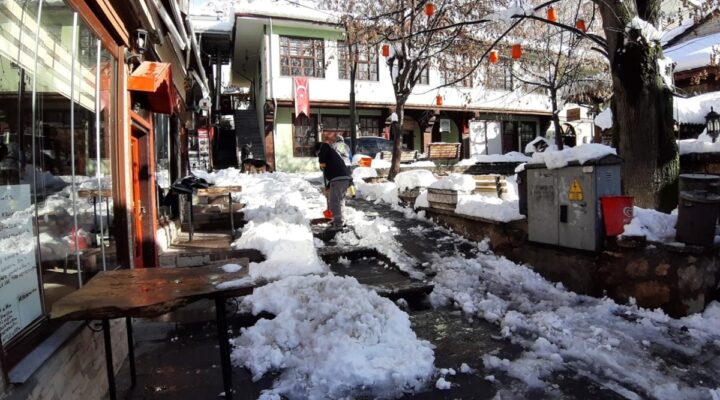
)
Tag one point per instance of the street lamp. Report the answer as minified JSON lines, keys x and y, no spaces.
{"x":713,"y":124}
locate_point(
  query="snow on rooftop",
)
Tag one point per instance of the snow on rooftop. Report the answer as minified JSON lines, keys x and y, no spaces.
{"x":677,"y":31}
{"x":696,"y":53}
{"x":703,"y":144}
{"x":296,"y":9}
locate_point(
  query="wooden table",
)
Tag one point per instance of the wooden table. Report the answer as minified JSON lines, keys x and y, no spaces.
{"x":216,"y":191}
{"x":150,"y":293}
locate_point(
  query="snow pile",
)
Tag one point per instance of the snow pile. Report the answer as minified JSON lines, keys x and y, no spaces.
{"x":422,"y":200}
{"x":332,"y":338}
{"x":692,"y":110}
{"x":289,"y":249}
{"x":696,"y":53}
{"x":378,"y":192}
{"x":613,"y":344}
{"x":703,"y":144}
{"x":581,"y":154}
{"x":654,"y":225}
{"x":530,"y":147}
{"x":364,"y":172}
{"x":457,"y":182}
{"x":647,"y":30}
{"x":380,"y":164}
{"x":604,"y":120}
{"x":419,"y":164}
{"x":512,"y":156}
{"x":414,"y":179}
{"x":490,"y":208}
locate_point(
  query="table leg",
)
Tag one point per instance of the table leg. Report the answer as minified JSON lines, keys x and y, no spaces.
{"x":232,"y":221}
{"x":224,"y":343}
{"x":131,"y":350}
{"x":95,"y":215}
{"x":108,"y":360}
{"x":192,"y":228}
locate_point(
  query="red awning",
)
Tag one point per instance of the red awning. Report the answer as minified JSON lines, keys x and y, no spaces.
{"x":155,"y":79}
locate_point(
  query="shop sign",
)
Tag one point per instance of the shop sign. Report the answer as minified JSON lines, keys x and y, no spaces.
{"x":19,"y":288}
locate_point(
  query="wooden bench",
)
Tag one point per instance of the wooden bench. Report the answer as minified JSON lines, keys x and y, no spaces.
{"x":490,"y":185}
{"x":406,"y":156}
{"x":443,"y":151}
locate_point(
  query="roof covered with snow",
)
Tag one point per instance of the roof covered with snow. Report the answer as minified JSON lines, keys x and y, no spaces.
{"x":690,"y":110}
{"x":696,"y":53}
{"x":295,"y":9}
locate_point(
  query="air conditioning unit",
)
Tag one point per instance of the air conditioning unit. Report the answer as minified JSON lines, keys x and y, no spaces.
{"x":444,"y":125}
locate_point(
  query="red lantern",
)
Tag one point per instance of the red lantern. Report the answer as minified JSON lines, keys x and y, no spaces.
{"x":494,"y":57}
{"x":551,"y":15}
{"x":386,"y":50}
{"x":429,"y":9}
{"x":580,"y":24}
{"x":438,"y":100}
{"x":516,"y":51}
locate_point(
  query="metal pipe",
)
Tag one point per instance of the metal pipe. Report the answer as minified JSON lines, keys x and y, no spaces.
{"x":72,"y":145}
{"x":109,"y":367}
{"x":174,"y":34}
{"x":98,"y":172}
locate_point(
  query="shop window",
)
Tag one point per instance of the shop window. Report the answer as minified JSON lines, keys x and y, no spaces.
{"x":369,"y":126}
{"x":424,"y":76}
{"x":499,"y":76}
{"x":161,"y":127}
{"x":304,"y":136}
{"x":527,"y":133}
{"x":302,"y":57}
{"x":55,"y":160}
{"x":456,"y":72}
{"x":367,"y":62}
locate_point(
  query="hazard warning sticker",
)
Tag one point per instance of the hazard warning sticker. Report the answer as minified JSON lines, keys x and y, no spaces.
{"x":576,"y":192}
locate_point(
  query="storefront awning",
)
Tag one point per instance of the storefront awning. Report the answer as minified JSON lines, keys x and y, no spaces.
{"x":155,"y":79}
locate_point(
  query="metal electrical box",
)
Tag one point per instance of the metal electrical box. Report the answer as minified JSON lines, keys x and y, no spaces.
{"x":564,"y":203}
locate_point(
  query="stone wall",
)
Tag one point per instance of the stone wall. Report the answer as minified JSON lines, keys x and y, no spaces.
{"x":77,"y":369}
{"x":680,"y":280}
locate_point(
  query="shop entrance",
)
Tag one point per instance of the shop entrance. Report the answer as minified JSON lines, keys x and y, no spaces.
{"x":144,"y":215}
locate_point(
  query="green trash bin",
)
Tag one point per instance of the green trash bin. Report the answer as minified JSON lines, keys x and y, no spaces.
{"x":697,"y":217}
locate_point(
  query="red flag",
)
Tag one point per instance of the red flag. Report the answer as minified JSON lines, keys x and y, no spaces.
{"x":302,"y":96}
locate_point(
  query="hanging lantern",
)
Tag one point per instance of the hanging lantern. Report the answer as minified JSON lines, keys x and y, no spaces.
{"x":386,"y":50}
{"x":516,"y":51}
{"x":551,"y":15}
{"x":494,"y":57}
{"x":438,"y":100}
{"x":580,"y":24}
{"x":429,"y":9}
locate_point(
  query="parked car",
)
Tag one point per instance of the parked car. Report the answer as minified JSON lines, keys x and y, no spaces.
{"x":371,"y":145}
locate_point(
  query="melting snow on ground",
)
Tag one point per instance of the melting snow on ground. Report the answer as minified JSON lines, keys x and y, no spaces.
{"x":332,"y":338}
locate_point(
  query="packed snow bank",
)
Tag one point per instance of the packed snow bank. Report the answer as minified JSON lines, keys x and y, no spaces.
{"x":581,"y":154}
{"x":413,"y":179}
{"x":332,"y":338}
{"x":654,"y":225}
{"x":703,"y":144}
{"x":419,"y":164}
{"x":364,"y":172}
{"x":458,"y":182}
{"x":378,"y":192}
{"x":614,"y":345}
{"x":490,"y":208}
{"x":512,"y":156}
{"x":289,"y":249}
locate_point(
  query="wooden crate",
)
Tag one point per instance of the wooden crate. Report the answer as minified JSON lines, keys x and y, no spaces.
{"x":443,"y":199}
{"x":443,"y":151}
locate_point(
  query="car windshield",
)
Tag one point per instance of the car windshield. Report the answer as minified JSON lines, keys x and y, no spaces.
{"x":384,"y":145}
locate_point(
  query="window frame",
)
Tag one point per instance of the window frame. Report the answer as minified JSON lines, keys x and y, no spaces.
{"x":307,"y":149}
{"x":317,"y":46}
{"x":504,"y":66}
{"x":370,"y":59}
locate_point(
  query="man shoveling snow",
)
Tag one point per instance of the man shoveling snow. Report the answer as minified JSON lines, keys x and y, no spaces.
{"x":337,"y":177}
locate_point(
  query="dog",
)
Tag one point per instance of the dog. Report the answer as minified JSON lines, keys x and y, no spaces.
{"x":250,"y":164}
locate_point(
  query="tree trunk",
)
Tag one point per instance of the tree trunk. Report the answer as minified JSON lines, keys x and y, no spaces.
{"x":397,"y":140}
{"x":642,"y":109}
{"x":556,"y":120}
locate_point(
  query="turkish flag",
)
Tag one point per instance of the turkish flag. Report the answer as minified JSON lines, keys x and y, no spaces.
{"x":302,"y":96}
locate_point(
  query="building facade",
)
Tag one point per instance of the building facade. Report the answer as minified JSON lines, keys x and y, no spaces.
{"x":273,"y":45}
